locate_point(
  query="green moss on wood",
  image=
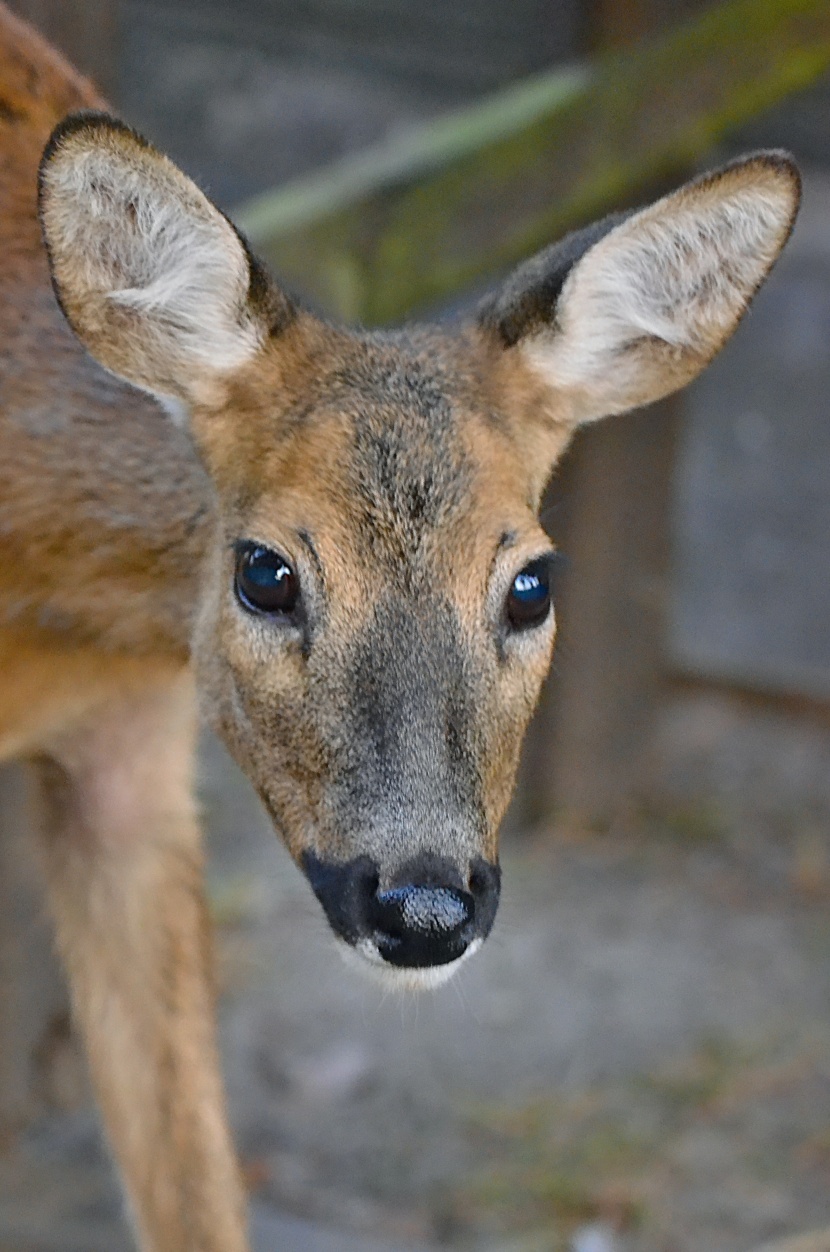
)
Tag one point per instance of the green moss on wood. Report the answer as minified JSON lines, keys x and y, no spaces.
{"x":413,"y":223}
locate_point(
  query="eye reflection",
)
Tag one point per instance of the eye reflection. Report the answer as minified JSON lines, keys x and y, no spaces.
{"x":529,"y":598}
{"x":265,"y":581}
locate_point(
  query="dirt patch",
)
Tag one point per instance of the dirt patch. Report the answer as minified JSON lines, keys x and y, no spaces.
{"x":642,"y":1048}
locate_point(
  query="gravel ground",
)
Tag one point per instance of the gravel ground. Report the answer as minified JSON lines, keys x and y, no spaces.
{"x":639,"y":1060}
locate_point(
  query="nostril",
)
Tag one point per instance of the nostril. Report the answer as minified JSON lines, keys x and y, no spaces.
{"x":478,"y":882}
{"x":440,"y":912}
{"x":485,"y":879}
{"x":485,"y":885}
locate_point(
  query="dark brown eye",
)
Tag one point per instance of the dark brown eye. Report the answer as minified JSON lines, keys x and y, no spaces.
{"x":265,"y":582}
{"x":529,"y":597}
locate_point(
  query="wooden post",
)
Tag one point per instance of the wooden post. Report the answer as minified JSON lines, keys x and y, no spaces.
{"x":589,"y":751}
{"x":589,"y":755}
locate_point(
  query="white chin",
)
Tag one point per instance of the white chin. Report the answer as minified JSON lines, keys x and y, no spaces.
{"x":366,"y":957}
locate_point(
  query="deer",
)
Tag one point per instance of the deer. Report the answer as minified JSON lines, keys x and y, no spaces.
{"x":323,"y":542}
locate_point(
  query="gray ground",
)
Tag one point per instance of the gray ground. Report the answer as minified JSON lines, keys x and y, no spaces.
{"x":640,"y":1057}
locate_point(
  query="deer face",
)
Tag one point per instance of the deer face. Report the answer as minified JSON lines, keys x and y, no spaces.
{"x":378,"y":628}
{"x":376,"y":615}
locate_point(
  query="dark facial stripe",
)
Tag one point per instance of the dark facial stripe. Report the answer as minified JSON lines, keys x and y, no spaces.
{"x":410,"y":726}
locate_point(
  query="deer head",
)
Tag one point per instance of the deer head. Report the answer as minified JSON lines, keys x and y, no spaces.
{"x":375,"y":615}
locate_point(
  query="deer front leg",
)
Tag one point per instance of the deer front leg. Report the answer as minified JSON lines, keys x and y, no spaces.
{"x":124,"y":873}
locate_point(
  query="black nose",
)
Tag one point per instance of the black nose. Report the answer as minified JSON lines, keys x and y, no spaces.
{"x":425,"y":917}
{"x":420,"y":926}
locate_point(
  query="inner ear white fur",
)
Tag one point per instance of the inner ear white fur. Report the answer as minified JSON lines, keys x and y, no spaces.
{"x":652,"y":302}
{"x":152,"y":276}
{"x":179,"y":262}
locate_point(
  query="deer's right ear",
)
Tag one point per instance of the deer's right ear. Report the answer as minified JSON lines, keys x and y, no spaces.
{"x":152,"y":278}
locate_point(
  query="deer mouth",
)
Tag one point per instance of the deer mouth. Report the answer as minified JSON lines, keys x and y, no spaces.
{"x":366,"y":958}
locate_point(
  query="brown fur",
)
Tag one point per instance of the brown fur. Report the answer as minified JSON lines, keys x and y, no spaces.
{"x":87,"y":647}
{"x":399,"y":474}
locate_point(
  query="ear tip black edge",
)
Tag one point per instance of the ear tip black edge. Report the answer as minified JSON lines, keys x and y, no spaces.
{"x":86,"y":120}
{"x":90,"y":120}
{"x":777,"y":160}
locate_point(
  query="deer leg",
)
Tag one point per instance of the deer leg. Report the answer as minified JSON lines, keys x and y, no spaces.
{"x":124,"y":877}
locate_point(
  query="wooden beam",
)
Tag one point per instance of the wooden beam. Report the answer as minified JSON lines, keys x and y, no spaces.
{"x":412,"y":223}
{"x":589,"y":759}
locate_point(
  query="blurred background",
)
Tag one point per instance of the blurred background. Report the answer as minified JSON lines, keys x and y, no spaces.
{"x":639,"y":1060}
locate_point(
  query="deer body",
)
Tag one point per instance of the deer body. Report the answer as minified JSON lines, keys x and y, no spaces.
{"x":331,"y":537}
{"x":90,"y":650}
{"x":96,"y":514}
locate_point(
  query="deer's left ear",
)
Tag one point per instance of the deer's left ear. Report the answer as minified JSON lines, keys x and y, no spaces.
{"x":634,"y":307}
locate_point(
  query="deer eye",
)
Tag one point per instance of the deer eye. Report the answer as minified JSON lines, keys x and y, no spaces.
{"x":265,"y":582}
{"x":529,"y":597}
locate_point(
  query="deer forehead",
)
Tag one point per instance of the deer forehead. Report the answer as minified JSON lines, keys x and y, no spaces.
{"x":386,"y":458}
